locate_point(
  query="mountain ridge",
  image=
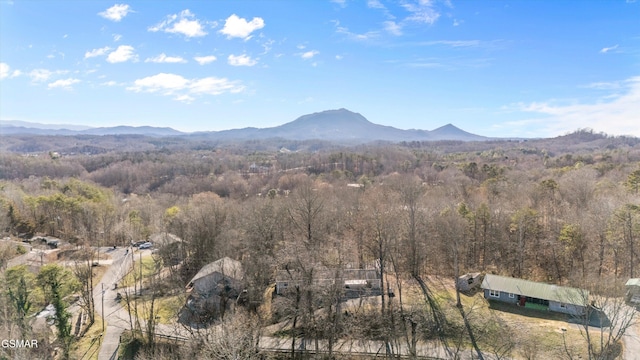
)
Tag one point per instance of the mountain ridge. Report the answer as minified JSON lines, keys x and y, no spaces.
{"x":336,"y":125}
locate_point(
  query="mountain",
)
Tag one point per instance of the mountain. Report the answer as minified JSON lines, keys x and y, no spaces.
{"x":28,"y":124}
{"x":27,"y":128}
{"x":450,"y":132}
{"x":342,"y":125}
{"x":339,"y":125}
{"x":133,"y":130}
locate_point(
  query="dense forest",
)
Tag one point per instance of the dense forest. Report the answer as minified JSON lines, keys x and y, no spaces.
{"x":564,"y":211}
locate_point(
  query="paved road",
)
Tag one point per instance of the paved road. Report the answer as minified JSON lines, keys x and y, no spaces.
{"x":115,"y":314}
{"x":631,"y":341}
{"x":116,"y":317}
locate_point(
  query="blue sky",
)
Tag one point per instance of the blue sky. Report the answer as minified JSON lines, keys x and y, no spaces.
{"x":494,"y":68}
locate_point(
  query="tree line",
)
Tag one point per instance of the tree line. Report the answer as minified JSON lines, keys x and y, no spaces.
{"x":416,"y":211}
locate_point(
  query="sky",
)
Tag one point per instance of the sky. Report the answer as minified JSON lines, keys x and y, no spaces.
{"x":493,"y":68}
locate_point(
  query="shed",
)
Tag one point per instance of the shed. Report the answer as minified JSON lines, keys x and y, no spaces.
{"x":535,"y":295}
{"x":469,"y":281}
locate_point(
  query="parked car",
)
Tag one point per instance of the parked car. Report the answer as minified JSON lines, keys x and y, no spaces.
{"x":146,"y":245}
{"x":137,"y":243}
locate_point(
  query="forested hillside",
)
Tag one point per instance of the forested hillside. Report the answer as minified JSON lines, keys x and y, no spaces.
{"x":563,"y":211}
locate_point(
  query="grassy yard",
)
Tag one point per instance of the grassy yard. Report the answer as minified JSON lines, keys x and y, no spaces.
{"x":500,"y":329}
{"x":531,"y":333}
{"x":166,"y":308}
{"x":148,"y":269}
{"x":88,"y":347}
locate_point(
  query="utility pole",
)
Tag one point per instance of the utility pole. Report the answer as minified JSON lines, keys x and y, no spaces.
{"x":141,"y":273}
{"x":102,"y":307}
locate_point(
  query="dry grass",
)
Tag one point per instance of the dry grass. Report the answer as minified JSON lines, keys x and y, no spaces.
{"x":166,"y":308}
{"x":148,"y":269}
{"x":88,"y":347}
{"x":500,"y":326}
{"x":98,"y":273}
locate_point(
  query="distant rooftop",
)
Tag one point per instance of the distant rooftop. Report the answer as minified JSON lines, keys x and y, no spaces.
{"x":633,"y":282}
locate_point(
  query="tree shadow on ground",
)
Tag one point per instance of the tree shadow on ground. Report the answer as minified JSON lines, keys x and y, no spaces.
{"x":597,"y":318}
{"x":528,"y":312}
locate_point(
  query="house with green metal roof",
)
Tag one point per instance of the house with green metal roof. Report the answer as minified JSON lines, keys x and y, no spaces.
{"x":536,"y":295}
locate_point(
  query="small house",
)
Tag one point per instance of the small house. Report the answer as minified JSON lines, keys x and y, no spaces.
{"x":170,"y":247}
{"x":632,"y":288}
{"x":535,"y":295}
{"x":214,"y":289}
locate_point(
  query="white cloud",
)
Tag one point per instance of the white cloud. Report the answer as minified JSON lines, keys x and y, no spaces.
{"x":185,"y":98}
{"x":421,"y":11}
{"x":163,"y":58}
{"x":454,"y":43}
{"x":183,"y":89}
{"x":4,"y":70}
{"x":607,"y":49}
{"x":393,"y":28}
{"x":97,"y":52}
{"x":375,"y":4}
{"x":615,"y":113}
{"x":267,"y":46}
{"x":241,"y":60}
{"x":214,"y":86}
{"x":339,"y":57}
{"x":603,"y":85}
{"x":203,"y":60}
{"x":116,"y":13}
{"x":40,"y":75}
{"x":63,"y":83}
{"x":355,"y":36}
{"x":238,"y":27}
{"x":309,"y":54}
{"x":163,"y":82}
{"x":117,"y":37}
{"x":110,"y":83}
{"x":342,"y":3}
{"x":184,"y":23}
{"x":123,"y":53}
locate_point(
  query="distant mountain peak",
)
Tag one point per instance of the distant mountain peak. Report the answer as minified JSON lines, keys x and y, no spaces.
{"x":451,"y":131}
{"x":449,"y":126}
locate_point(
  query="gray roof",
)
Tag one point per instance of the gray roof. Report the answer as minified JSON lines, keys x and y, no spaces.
{"x":633,"y":282}
{"x":469,"y":276}
{"x":164,"y":238}
{"x":537,"y":290}
{"x":326,"y":274}
{"x":226,"y":266}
